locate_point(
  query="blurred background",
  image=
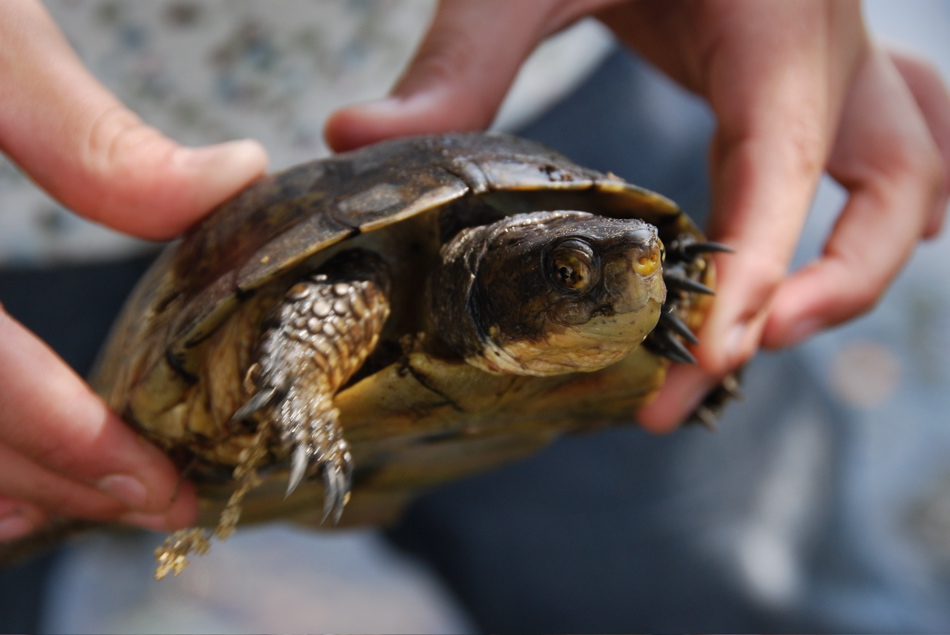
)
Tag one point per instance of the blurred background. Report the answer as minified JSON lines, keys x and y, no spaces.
{"x":822,"y":503}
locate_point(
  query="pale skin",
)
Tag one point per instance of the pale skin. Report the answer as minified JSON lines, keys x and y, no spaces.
{"x":62,"y":451}
{"x":798,"y":89}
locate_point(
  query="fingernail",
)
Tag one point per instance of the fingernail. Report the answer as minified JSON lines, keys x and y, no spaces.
{"x":13,"y":527}
{"x":127,"y":489}
{"x":379,"y":105}
{"x":233,"y":154}
{"x":802,"y":331}
{"x":156,"y":522}
{"x":735,"y":341}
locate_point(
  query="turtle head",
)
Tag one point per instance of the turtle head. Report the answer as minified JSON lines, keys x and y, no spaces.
{"x":549,"y":292}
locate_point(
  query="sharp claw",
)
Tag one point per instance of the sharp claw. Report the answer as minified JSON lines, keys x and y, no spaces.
{"x":670,"y":320}
{"x":678,"y":353}
{"x":335,"y":487}
{"x":668,"y":346}
{"x":329,"y":493}
{"x":686,"y":284}
{"x":336,"y":480}
{"x":730,"y":385}
{"x":298,"y":468}
{"x":705,"y":417}
{"x":706,"y":247}
{"x":258,"y":401}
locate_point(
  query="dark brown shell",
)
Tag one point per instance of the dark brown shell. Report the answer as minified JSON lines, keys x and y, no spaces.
{"x":286,"y":218}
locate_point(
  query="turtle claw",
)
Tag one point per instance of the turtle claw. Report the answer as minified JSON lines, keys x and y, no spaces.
{"x":707,"y":247}
{"x":704,"y":416}
{"x":682,"y":283}
{"x":683,"y":266}
{"x":730,"y":387}
{"x":336,"y":488}
{"x":707,"y":413}
{"x":665,"y":343}
{"x":335,"y":470}
{"x":670,"y":320}
{"x":258,"y":401}
{"x":298,"y":469}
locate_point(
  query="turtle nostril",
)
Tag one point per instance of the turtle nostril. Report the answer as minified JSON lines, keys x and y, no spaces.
{"x":648,"y":262}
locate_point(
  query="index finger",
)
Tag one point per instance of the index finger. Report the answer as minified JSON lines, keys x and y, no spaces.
{"x":52,"y":418}
{"x":774,"y":111}
{"x":64,"y":129}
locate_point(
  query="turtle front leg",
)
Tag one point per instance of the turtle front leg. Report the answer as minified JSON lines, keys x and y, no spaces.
{"x":311,"y":344}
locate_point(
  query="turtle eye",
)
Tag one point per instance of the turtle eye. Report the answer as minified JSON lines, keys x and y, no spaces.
{"x":571,"y":265}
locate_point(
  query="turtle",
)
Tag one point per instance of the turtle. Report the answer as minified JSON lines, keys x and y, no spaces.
{"x":343,"y":334}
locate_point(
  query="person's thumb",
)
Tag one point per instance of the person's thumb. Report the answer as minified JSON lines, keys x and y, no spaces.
{"x":461,"y":72}
{"x":82,"y":146}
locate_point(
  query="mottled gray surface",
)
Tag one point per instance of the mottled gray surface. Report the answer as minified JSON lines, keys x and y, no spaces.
{"x":263,"y":580}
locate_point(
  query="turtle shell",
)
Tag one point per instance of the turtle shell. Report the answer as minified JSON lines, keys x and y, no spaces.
{"x":415,"y":415}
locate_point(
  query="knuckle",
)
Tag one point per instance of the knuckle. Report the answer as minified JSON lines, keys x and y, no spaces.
{"x":119,"y":159}
{"x":103,"y":136}
{"x":922,"y":163}
{"x":111,"y":138}
{"x":918,"y":170}
{"x":807,"y":139}
{"x":915,"y":68}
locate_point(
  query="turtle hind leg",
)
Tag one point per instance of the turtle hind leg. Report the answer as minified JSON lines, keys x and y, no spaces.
{"x":311,"y":344}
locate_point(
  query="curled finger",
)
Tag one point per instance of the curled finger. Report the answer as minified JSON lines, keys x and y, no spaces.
{"x":52,"y":419}
{"x":887,"y":159}
{"x":776,"y":76}
{"x":933,"y":99}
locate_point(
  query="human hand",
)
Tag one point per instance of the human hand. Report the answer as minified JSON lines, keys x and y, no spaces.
{"x":63,"y":453}
{"x":798,"y":89}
